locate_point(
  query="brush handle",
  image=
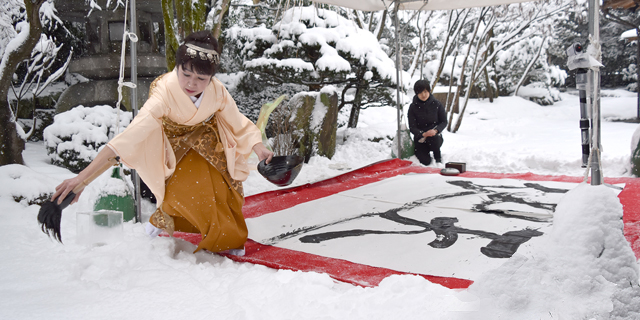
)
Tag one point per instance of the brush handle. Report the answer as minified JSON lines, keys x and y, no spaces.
{"x":66,"y":201}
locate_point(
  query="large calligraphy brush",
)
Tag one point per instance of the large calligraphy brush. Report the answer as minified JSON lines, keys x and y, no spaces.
{"x":51,"y":212}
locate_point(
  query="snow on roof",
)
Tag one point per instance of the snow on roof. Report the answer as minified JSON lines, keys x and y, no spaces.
{"x":629,"y":35}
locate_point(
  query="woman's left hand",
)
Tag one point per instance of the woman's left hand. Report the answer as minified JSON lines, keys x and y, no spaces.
{"x":262,"y":152}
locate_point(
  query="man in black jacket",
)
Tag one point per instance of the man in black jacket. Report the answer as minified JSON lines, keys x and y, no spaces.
{"x":427,"y":119}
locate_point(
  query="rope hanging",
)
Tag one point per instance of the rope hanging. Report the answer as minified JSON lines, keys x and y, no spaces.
{"x":134,"y":38}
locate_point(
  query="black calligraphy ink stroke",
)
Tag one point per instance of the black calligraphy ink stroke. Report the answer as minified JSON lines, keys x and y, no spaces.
{"x":505,"y":197}
{"x":544,"y":189}
{"x":507,"y":244}
{"x":501,"y":246}
{"x":407,"y":206}
{"x":446,"y":232}
{"x":511,"y":214}
{"x":321,"y":237}
{"x":298,"y":231}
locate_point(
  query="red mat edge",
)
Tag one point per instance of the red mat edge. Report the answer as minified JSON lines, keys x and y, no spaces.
{"x":338,"y":269}
{"x":368,"y":276}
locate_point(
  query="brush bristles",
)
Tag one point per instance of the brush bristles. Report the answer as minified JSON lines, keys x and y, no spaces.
{"x":50,"y":215}
{"x":49,"y":218}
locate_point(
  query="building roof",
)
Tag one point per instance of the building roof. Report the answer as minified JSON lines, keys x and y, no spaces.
{"x":619,"y":4}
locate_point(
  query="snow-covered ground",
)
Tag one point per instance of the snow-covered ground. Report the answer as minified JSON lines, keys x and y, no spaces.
{"x":585,"y":270}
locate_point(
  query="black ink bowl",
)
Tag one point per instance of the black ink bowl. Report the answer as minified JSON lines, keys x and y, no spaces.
{"x":282,"y":170}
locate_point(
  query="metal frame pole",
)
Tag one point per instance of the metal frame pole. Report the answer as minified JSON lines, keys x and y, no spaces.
{"x":134,"y":100}
{"x":594,"y":75}
{"x":585,"y":124}
{"x":398,"y":66}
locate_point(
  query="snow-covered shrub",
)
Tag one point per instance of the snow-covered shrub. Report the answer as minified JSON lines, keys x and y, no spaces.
{"x":24,"y":185}
{"x":540,"y":93}
{"x":76,"y":136}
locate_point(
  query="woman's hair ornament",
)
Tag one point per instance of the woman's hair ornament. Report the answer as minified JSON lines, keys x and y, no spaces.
{"x":205,"y":54}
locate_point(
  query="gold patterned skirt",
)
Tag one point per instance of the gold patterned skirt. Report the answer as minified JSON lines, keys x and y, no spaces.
{"x":201,"y":196}
{"x":200,"y":201}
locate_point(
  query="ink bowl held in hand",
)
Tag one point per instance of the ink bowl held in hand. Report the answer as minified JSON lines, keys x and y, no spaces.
{"x":281,"y":170}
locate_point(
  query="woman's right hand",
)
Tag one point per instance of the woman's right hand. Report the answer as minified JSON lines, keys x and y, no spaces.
{"x":105,"y":158}
{"x":63,"y":189}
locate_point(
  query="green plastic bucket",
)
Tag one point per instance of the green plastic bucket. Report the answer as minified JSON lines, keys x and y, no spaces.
{"x":122,"y":200}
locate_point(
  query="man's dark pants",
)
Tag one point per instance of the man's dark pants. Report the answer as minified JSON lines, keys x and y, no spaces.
{"x":431,"y":144}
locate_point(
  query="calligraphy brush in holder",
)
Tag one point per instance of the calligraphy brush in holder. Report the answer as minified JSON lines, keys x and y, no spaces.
{"x":50,"y":213}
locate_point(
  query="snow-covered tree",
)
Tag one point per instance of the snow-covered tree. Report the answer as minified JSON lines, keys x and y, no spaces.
{"x":493,"y":31}
{"x":20,"y":29}
{"x":39,"y":72}
{"x":319,"y":47}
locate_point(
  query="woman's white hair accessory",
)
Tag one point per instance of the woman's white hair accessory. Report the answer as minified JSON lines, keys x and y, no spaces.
{"x":204,"y":54}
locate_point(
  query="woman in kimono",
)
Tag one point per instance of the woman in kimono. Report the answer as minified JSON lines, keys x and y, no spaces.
{"x":189,"y":144}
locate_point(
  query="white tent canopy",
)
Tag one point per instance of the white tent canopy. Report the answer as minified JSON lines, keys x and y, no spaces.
{"x":376,"y":5}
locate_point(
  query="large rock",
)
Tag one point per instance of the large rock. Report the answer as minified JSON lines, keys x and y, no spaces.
{"x":316,"y":123}
{"x":101,"y":92}
{"x":107,"y":66}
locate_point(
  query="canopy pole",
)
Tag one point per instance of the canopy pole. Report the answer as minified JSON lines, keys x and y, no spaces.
{"x":398,"y":66}
{"x":594,"y":72}
{"x":134,"y":101}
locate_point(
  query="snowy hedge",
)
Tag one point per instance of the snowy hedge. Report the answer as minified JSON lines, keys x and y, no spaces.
{"x":76,"y":136}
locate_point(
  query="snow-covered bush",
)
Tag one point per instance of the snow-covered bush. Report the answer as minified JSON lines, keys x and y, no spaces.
{"x":76,"y":136}
{"x":512,"y":63}
{"x":24,"y":185}
{"x":540,"y":93}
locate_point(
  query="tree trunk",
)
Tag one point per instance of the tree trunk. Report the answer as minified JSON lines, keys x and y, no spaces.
{"x":355,"y":109}
{"x":451,"y":107}
{"x":190,"y":17}
{"x":462,"y":75}
{"x":11,"y":145}
{"x":526,"y":71}
{"x":171,"y":43}
{"x":474,"y":68}
{"x":489,"y":88}
{"x":381,"y":24}
{"x":449,"y":44}
{"x":638,"y":73}
{"x":217,"y":29}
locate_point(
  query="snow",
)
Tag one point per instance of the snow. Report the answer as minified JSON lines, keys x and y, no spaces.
{"x":629,"y":34}
{"x":326,"y":29}
{"x":80,"y":125}
{"x":14,"y":44}
{"x":294,"y":63}
{"x":584,"y":270}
